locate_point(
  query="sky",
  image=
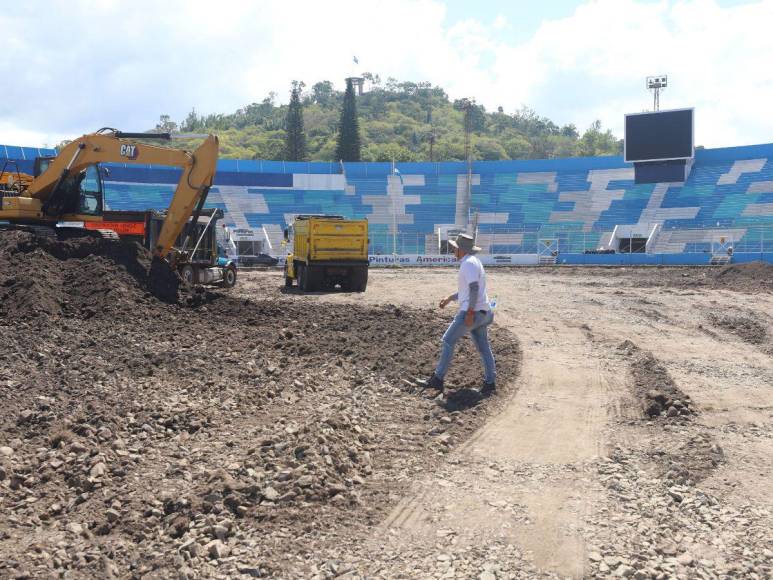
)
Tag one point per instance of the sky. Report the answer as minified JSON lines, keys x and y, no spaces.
{"x":72,"y":67}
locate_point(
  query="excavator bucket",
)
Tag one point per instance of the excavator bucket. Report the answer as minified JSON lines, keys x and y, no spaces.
{"x":163,"y":281}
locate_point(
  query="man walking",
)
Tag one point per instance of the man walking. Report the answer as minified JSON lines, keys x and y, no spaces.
{"x":474,"y":316}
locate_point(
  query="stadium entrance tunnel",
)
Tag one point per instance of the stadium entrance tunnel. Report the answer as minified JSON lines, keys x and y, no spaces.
{"x":632,"y":245}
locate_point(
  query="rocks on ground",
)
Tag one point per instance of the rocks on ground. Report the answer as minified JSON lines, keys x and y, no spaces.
{"x":141,"y":437}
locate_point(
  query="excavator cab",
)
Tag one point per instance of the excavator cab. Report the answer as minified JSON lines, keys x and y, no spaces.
{"x":81,"y":193}
{"x":41,"y":164}
{"x":91,"y":191}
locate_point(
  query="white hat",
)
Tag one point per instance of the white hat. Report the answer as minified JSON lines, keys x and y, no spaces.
{"x":466,"y":243}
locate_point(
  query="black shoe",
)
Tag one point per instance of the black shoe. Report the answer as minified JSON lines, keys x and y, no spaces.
{"x":434,"y":382}
{"x":488,"y":389}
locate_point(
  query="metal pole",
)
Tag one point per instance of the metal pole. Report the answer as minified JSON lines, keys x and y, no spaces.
{"x":394,"y":227}
{"x":196,"y":247}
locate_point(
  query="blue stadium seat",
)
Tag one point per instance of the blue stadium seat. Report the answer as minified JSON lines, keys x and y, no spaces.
{"x":576,"y":201}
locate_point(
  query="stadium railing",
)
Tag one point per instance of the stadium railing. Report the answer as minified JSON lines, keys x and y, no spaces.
{"x":741,"y":239}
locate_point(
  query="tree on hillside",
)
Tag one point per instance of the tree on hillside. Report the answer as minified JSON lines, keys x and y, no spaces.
{"x":570,"y":131}
{"x":475,"y":115}
{"x":322,"y":93}
{"x":165,"y":125}
{"x":192,"y":122}
{"x":295,"y":139}
{"x":348,"y":147}
{"x":374,"y":80}
{"x":595,"y":142}
{"x":387,"y":152}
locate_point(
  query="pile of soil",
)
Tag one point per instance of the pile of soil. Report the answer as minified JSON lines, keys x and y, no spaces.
{"x":748,"y":329}
{"x":45,"y":277}
{"x":689,"y":461}
{"x":256,"y":437}
{"x":751,"y":275}
{"x":653,"y":387}
{"x":751,"y":278}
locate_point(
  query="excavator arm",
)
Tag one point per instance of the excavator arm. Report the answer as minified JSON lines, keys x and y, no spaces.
{"x":198,"y":171}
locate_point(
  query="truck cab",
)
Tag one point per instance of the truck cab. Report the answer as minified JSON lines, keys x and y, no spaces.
{"x":205,"y":261}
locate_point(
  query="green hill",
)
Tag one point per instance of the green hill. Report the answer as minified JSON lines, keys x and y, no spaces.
{"x":401,"y":121}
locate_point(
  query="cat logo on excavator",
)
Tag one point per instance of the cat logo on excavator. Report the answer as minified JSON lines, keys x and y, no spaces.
{"x":129,"y":151}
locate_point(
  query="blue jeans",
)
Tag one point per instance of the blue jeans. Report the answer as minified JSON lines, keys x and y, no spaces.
{"x":479,"y":333}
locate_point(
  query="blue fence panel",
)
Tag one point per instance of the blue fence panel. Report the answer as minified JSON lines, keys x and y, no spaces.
{"x":682,"y":259}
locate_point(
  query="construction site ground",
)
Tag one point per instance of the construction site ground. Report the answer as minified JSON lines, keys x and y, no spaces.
{"x":265,"y":433}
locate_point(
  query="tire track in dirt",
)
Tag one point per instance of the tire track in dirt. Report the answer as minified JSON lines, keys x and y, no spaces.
{"x":520,"y":479}
{"x":537,"y":516}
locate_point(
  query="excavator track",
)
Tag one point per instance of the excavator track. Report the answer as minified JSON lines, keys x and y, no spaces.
{"x":40,"y":231}
{"x":69,"y":233}
{"x":64,"y":233}
{"x":108,"y":235}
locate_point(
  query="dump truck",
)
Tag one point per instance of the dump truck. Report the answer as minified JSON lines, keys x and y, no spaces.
{"x":327,"y":251}
{"x":207,"y":263}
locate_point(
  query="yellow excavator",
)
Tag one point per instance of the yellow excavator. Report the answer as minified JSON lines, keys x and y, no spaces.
{"x":68,"y":187}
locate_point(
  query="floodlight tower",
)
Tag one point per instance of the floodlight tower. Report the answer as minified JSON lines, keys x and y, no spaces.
{"x":463,"y":212}
{"x":656,"y":84}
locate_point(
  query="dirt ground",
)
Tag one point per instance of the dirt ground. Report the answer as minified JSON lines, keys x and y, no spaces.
{"x":573,"y":477}
{"x":270,"y":434}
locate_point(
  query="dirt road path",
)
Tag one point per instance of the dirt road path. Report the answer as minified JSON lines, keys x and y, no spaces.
{"x":520,"y":480}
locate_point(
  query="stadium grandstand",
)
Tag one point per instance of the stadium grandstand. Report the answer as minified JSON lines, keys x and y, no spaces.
{"x":575,"y":210}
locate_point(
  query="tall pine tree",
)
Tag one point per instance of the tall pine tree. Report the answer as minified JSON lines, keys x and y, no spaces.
{"x":295,"y":139}
{"x":348,"y":147}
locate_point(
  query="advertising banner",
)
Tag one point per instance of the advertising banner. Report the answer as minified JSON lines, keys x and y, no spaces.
{"x":245,"y":235}
{"x":120,"y":228}
{"x":450,"y":260}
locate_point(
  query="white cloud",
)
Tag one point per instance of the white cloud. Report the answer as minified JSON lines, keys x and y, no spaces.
{"x":84,"y":64}
{"x":11,"y":134}
{"x":500,"y":22}
{"x":593,"y":65}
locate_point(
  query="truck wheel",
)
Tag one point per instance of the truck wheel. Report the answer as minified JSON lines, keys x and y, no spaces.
{"x":359,"y":281}
{"x":188,"y":275}
{"x":288,"y":280}
{"x":314,"y":278}
{"x":229,"y":276}
{"x":303,"y":280}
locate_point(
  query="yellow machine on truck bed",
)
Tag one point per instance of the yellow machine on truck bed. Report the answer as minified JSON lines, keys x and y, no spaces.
{"x":327,"y":251}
